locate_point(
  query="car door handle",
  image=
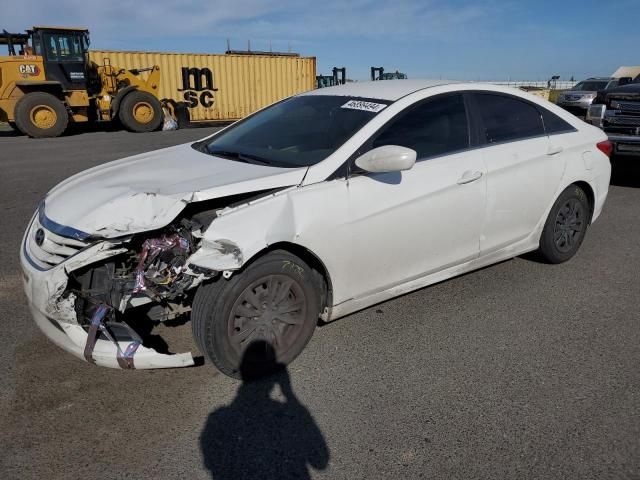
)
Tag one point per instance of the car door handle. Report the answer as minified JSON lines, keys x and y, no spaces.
{"x":468,"y":177}
{"x":554,"y":149}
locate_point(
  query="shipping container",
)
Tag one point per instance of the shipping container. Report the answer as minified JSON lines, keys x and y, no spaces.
{"x":220,"y":87}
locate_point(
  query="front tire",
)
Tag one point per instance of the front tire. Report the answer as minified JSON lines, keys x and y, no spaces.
{"x":276,"y":300}
{"x":566,"y":226}
{"x":41,"y":115}
{"x":140,"y":112}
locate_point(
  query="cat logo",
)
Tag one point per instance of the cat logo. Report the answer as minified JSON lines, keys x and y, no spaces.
{"x":28,"y":70}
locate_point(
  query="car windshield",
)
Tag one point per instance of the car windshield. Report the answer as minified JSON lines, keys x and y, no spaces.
{"x":590,"y":86}
{"x":297,"y":132}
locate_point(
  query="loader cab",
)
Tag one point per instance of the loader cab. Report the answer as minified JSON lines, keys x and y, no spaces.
{"x":65,"y":55}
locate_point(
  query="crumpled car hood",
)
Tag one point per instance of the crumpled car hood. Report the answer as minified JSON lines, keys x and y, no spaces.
{"x":148,"y":191}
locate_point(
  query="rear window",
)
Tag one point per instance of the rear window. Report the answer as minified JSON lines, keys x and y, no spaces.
{"x":507,"y":118}
{"x":554,"y":124}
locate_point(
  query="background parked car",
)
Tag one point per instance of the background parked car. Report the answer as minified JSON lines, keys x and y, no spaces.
{"x":617,"y":112}
{"x":579,"y":98}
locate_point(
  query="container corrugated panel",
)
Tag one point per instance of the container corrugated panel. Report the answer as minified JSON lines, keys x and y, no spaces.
{"x":220,"y":86}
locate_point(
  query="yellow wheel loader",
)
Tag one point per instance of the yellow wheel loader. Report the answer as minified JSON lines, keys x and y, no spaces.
{"x":47,"y":82}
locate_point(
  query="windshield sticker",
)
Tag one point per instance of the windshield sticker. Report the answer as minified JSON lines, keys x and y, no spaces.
{"x":366,"y":106}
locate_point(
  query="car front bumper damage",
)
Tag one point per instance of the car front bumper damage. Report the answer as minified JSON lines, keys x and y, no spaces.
{"x":56,"y":317}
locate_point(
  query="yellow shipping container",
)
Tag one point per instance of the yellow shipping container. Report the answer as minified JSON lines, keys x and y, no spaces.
{"x":220,"y":86}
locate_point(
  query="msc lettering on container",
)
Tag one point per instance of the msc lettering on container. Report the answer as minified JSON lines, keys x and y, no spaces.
{"x":197,"y":85}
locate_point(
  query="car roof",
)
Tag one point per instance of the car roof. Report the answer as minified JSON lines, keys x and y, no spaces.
{"x":381,"y":89}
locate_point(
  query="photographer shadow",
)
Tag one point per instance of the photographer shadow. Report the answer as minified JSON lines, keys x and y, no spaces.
{"x":257,"y":436}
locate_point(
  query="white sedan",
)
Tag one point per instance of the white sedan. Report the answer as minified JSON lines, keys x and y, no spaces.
{"x":310,"y":209}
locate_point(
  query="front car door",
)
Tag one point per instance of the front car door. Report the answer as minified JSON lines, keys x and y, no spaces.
{"x":406,"y":225}
{"x":523,"y":169}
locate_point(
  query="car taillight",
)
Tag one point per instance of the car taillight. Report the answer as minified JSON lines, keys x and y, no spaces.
{"x":605,"y":147}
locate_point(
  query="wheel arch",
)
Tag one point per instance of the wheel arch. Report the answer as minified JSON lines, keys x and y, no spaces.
{"x":578,"y":182}
{"x":591,"y":197}
{"x":53,"y":126}
{"x":117,"y":99}
{"x":52,"y":87}
{"x":548,"y":249}
{"x":22,"y":89}
{"x":311,"y":258}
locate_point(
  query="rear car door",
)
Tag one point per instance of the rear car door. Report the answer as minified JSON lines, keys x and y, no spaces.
{"x":523,"y":168}
{"x":408,"y":224}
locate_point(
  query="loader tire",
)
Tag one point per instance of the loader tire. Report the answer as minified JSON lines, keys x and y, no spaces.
{"x":41,"y":115}
{"x":140,"y":112}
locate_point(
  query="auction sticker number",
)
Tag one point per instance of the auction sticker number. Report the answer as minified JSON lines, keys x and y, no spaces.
{"x":366,"y":106}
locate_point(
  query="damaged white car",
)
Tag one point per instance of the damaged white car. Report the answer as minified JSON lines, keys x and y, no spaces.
{"x":313,"y":208}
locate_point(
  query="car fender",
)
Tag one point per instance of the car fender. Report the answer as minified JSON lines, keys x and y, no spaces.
{"x":290,"y":216}
{"x":567,"y":181}
{"x":590,"y":167}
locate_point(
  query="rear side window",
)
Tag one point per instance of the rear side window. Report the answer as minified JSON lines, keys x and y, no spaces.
{"x":507,"y":118}
{"x":554,"y":124}
{"x":435,"y":127}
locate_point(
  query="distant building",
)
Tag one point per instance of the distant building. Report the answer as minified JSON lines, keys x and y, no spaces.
{"x":632,"y":72}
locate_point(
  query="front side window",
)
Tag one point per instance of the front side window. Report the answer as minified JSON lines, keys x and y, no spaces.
{"x":436,"y":127}
{"x":298,"y":132}
{"x":507,"y":118}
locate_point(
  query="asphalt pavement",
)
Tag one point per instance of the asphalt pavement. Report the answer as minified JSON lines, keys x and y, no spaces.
{"x":519,"y":370}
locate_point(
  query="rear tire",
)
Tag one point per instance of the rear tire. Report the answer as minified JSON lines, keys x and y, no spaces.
{"x":41,"y":115}
{"x":275,"y":300}
{"x":140,"y":112}
{"x":566,"y":226}
{"x":13,"y":126}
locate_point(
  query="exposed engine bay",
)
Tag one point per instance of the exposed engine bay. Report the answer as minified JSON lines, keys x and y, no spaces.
{"x":153,"y":270}
{"x":125,"y":296}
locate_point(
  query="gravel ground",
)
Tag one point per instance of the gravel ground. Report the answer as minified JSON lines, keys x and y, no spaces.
{"x":519,"y":370}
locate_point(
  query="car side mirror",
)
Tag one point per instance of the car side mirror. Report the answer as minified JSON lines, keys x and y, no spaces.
{"x":388,"y":158}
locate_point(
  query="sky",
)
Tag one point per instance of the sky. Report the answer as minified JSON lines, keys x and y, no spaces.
{"x":454,"y":39}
